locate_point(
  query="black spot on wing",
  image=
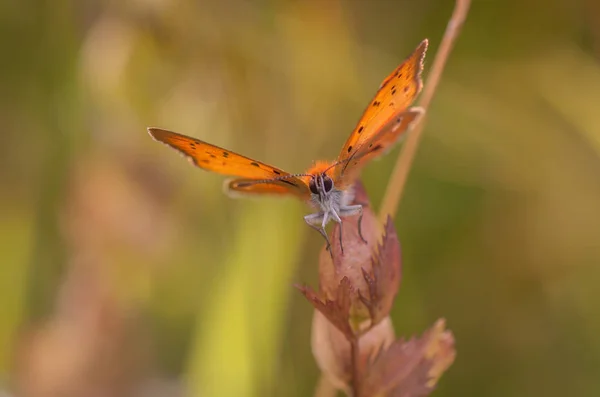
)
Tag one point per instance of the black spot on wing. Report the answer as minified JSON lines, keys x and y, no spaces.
{"x":349,"y":149}
{"x":360,"y":129}
{"x":376,"y":104}
{"x":277,"y":172}
{"x":225,"y":154}
{"x":289,"y":182}
{"x":254,"y":163}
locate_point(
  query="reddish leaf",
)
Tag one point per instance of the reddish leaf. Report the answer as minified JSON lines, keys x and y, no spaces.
{"x":410,"y":368}
{"x":383,"y":280}
{"x":355,"y":253}
{"x":336,"y":311}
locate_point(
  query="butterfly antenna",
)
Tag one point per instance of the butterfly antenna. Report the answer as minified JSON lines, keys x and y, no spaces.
{"x":288,"y":176}
{"x":333,"y":165}
{"x":297,"y":175}
{"x":346,"y":161}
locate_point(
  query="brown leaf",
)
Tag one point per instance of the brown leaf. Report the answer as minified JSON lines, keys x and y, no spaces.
{"x":383,"y":280}
{"x":411,"y":368}
{"x":336,"y":311}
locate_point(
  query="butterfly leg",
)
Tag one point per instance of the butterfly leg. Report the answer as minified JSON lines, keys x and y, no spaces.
{"x":351,"y":210}
{"x":318,"y":221}
{"x":360,"y":227}
{"x":341,"y":245}
{"x":334,"y":215}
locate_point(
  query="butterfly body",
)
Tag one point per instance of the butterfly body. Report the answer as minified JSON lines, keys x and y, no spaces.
{"x":327,"y":186}
{"x":332,"y":203}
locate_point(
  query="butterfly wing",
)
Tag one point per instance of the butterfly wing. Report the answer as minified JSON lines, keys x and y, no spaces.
{"x":259,"y":178}
{"x":240,"y":187}
{"x":346,"y":172}
{"x":396,"y":93}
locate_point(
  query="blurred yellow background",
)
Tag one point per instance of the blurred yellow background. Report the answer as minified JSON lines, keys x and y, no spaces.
{"x":127,"y":272}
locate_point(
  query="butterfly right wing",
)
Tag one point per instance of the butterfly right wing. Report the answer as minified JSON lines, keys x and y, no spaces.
{"x":379,"y":121}
{"x":346,"y":172}
{"x":395,"y":94}
{"x":258,"y":177}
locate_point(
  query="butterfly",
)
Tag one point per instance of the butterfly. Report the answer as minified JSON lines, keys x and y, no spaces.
{"x":327,"y":186}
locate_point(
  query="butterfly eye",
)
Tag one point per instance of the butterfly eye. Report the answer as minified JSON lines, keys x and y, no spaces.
{"x":313,"y":186}
{"x":327,"y":183}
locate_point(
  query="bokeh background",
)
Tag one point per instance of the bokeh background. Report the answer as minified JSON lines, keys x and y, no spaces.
{"x":126,"y":272}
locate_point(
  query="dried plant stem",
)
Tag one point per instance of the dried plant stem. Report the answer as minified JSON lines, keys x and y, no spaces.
{"x":397,"y":181}
{"x":326,"y":389}
{"x":355,"y":354}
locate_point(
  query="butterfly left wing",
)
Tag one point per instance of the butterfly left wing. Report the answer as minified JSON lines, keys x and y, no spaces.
{"x":293,"y":185}
{"x":396,"y":93}
{"x":258,"y":177}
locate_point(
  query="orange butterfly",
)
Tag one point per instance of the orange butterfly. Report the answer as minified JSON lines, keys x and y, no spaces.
{"x":326,"y":185}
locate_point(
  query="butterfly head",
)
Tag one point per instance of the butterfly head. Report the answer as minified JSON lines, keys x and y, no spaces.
{"x":320,"y":185}
{"x":325,"y":195}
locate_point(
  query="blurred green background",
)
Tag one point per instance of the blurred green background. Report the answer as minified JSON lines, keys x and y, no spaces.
{"x":127,"y":272}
